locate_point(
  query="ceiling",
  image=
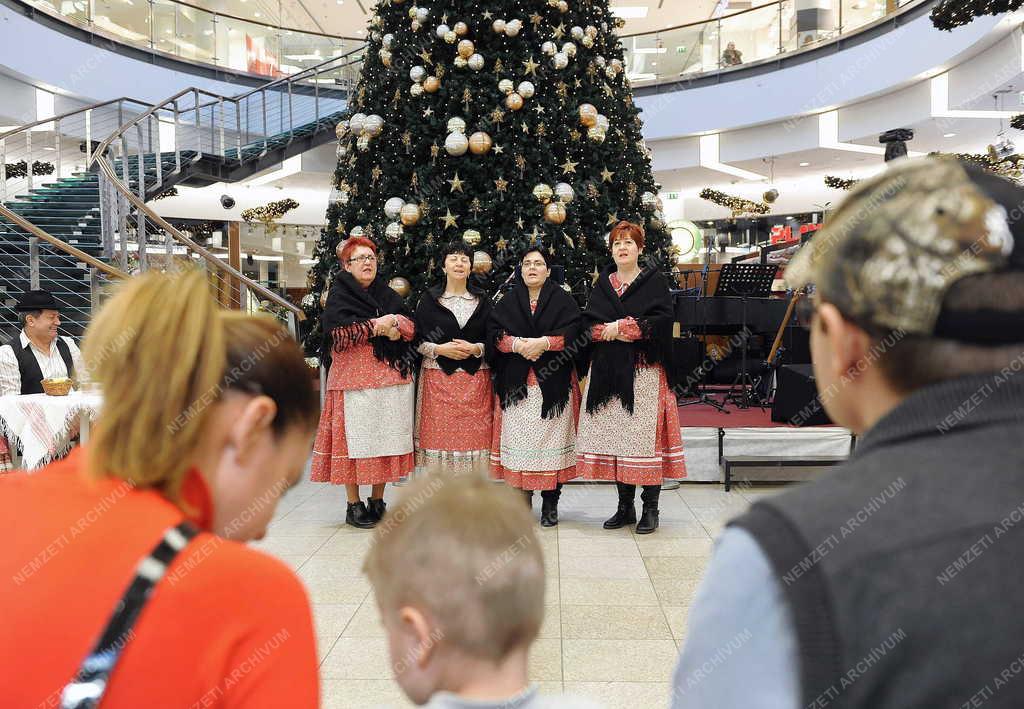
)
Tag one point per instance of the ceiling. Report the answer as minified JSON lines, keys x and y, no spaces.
{"x":348,"y":17}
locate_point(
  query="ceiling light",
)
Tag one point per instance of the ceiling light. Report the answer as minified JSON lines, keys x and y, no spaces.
{"x":949,"y":135}
{"x":804,"y":164}
{"x":650,"y":50}
{"x":629,"y":12}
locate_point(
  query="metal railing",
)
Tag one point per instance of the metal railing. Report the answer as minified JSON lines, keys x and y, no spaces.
{"x":188,"y":32}
{"x":109,"y":158}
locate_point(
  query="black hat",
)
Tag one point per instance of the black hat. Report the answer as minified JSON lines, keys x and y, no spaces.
{"x":36,"y":300}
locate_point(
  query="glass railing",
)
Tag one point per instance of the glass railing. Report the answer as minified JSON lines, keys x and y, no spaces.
{"x":746,"y":37}
{"x":188,"y":32}
{"x":191,"y":33}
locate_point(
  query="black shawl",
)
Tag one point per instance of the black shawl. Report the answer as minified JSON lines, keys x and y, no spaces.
{"x":435,"y":323}
{"x":346,"y":320}
{"x":556,"y":314}
{"x":613,"y":364}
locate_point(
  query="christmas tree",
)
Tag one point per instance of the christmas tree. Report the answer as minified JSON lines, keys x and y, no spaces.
{"x":950,"y":14}
{"x":506,"y":124}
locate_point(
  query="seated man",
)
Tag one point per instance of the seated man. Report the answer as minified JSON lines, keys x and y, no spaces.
{"x":37,"y":353}
{"x":889,"y":581}
{"x":458,"y":574}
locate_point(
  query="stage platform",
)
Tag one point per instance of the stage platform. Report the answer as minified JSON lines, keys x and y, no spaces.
{"x":708,"y":434}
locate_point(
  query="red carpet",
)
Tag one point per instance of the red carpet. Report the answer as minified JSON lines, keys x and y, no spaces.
{"x":704,"y":415}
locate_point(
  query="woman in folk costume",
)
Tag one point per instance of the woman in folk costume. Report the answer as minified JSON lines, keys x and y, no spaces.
{"x":629,"y":430}
{"x":532,"y":333}
{"x":454,"y":402}
{"x":365,"y":434}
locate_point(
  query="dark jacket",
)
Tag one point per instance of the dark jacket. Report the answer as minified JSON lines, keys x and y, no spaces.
{"x":904,"y":568}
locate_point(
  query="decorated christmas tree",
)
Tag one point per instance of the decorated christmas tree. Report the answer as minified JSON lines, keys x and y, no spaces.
{"x":505,"y":124}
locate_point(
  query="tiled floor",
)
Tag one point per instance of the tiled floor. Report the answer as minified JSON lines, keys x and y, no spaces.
{"x":616,"y":602}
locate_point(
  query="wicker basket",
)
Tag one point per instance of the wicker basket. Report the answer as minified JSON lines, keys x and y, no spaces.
{"x":57,"y":388}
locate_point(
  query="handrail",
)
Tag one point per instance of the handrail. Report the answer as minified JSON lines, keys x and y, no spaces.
{"x":698,"y":22}
{"x":265,"y":24}
{"x":298,"y":76}
{"x":51,"y":119}
{"x":61,"y":245}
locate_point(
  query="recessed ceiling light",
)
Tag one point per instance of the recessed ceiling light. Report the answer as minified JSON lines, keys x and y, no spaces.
{"x":257,"y":14}
{"x":804,"y":164}
{"x":949,"y":135}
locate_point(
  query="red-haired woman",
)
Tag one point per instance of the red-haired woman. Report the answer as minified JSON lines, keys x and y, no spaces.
{"x":365,"y":434}
{"x":629,"y":428}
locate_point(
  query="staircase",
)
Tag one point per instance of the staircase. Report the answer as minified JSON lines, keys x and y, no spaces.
{"x":110,"y":158}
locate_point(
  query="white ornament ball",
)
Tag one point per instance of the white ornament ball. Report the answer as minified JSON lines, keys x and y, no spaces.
{"x":418,"y":73}
{"x":456,"y":125}
{"x":563,"y":6}
{"x":649,"y":200}
{"x":498,"y":26}
{"x":599,"y":60}
{"x":513,"y":27}
{"x":476,"y":62}
{"x":560,"y":60}
{"x":393,"y":207}
{"x":565,"y":192}
{"x":389,"y":40}
{"x":456,"y":144}
{"x":569,"y":48}
{"x":506,"y":86}
{"x":526,"y":89}
{"x":577,"y":33}
{"x":602,"y":122}
{"x":356,"y":231}
{"x":549,"y":48}
{"x":393,"y":232}
{"x":374,"y":125}
{"x":356,"y":123}
{"x":422,"y":14}
{"x":442,"y":30}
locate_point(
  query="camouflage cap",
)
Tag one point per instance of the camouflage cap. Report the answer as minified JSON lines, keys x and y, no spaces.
{"x":889,"y":253}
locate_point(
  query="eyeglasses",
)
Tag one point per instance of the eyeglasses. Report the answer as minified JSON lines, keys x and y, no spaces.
{"x":365,"y":258}
{"x":538,"y":264}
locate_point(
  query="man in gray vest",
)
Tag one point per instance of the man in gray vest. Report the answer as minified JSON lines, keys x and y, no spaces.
{"x":37,"y":352}
{"x":893,"y":581}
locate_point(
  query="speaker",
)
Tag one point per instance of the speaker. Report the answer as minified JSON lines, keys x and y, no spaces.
{"x":796,"y":397}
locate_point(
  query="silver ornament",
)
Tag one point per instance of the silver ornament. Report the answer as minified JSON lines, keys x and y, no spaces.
{"x":389,"y":40}
{"x":602,"y":122}
{"x":418,"y":73}
{"x":649,"y":200}
{"x":356,"y":123}
{"x":498,"y":26}
{"x":416,"y":90}
{"x":357,"y":231}
{"x":565,"y":192}
{"x":513,"y":27}
{"x":587,"y":41}
{"x":569,"y":48}
{"x":549,"y":48}
{"x":422,"y":14}
{"x":442,"y":30}
{"x":456,"y":125}
{"x":476,"y":62}
{"x":599,"y":60}
{"x":525,"y":89}
{"x":577,"y":33}
{"x":393,"y":207}
{"x":506,"y":86}
{"x":456,"y":144}
{"x":374,"y":125}
{"x":560,"y":60}
{"x":393,"y":232}
{"x":591,"y":31}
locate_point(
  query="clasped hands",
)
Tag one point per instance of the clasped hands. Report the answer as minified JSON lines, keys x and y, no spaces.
{"x":387,"y":325}
{"x":457,"y":349}
{"x":611,"y":332}
{"x":531,"y":348}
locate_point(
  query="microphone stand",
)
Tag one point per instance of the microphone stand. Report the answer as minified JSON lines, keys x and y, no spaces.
{"x":702,"y":396}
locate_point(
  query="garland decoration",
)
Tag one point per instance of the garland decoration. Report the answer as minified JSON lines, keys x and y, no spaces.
{"x":839,"y":183}
{"x":269,"y":213}
{"x":737,"y":205}
{"x":18,"y":170}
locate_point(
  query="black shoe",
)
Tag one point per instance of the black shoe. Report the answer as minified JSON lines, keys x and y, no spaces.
{"x":626,"y":512}
{"x":649,"y":516}
{"x":528,"y":494}
{"x":358,"y":516}
{"x":549,"y":507}
{"x":376,"y":508}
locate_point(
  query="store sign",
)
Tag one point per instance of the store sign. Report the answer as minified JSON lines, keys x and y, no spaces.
{"x":258,"y":60}
{"x":780,"y":234}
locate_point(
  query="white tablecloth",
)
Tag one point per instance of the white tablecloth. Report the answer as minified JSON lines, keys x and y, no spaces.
{"x":42,"y":426}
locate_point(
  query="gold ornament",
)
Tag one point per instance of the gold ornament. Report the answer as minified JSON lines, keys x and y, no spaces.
{"x":323,"y":297}
{"x":596,"y":134}
{"x":466,"y":48}
{"x":461,"y":29}
{"x":543,"y":193}
{"x":482,"y":263}
{"x":498,"y":26}
{"x":461,"y":63}
{"x":431,"y":84}
{"x":563,"y":6}
{"x":587,"y":41}
{"x":513,"y":101}
{"x":479,"y":143}
{"x":450,"y":37}
{"x":410,"y":214}
{"x":400,"y":285}
{"x":341,"y":130}
{"x":471,"y":237}
{"x":554,"y":212}
{"x":588,"y":115}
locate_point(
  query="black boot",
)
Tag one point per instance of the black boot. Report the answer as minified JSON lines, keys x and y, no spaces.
{"x":626,"y":513}
{"x":375,"y":508}
{"x":649,"y":518}
{"x":359,"y":516}
{"x":549,"y":506}
{"x":528,"y":494}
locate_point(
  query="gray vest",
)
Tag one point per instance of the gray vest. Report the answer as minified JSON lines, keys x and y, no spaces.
{"x":904,"y":568}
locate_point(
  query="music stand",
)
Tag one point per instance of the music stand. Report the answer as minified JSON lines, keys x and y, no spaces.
{"x":746,"y":280}
{"x":703,"y":293}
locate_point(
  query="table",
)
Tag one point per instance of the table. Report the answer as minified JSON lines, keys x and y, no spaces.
{"x":42,"y":426}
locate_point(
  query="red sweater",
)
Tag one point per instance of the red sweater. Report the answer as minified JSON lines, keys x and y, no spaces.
{"x":228,"y":626}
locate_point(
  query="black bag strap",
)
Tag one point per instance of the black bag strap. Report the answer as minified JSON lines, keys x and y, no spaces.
{"x":87,"y":687}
